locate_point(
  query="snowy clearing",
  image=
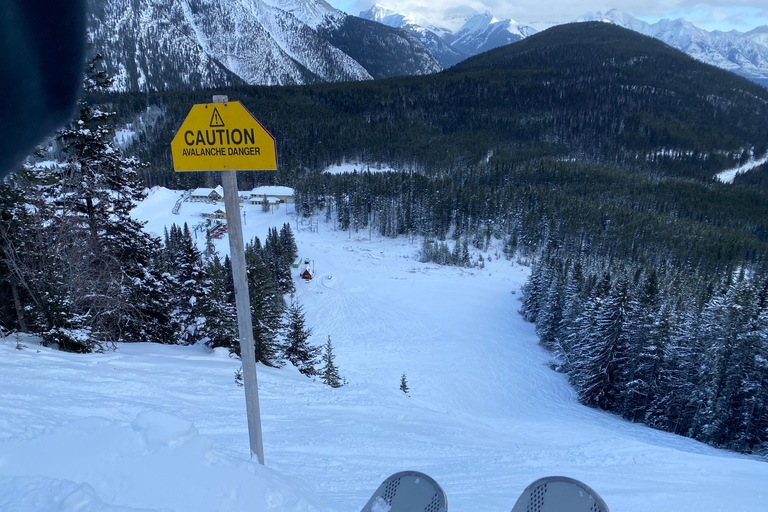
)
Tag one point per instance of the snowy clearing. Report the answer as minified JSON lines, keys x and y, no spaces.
{"x":358,"y":167}
{"x":158,"y":427}
{"x":729,"y":175}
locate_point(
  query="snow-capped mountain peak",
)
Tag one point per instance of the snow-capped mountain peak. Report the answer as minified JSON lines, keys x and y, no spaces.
{"x":478,"y":23}
{"x":484,"y":32}
{"x":477,"y":33}
{"x":313,"y":13}
{"x":759,"y":35}
{"x":616,"y":17}
{"x":432,"y":37}
{"x":381,"y":14}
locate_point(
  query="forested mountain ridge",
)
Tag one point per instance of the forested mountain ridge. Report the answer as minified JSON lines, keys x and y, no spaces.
{"x":632,"y":91}
{"x":589,"y":91}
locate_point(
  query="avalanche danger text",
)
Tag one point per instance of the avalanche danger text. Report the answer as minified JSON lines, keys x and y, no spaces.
{"x":205,"y":142}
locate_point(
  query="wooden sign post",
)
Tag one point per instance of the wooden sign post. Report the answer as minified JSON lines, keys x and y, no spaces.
{"x":224,"y":136}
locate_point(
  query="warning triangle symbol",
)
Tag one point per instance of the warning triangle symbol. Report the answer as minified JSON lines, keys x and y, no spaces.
{"x":216,"y":120}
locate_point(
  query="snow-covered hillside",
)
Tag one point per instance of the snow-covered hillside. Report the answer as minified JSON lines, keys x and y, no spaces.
{"x":156,"y":427}
{"x":159,"y":45}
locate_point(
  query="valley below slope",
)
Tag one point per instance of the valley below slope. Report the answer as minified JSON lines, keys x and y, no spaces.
{"x":485,"y":415}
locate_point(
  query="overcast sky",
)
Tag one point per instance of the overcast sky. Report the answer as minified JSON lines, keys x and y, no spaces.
{"x":743,"y":15}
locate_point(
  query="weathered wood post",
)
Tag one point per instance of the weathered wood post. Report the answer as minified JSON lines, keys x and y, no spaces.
{"x":243,"y":303}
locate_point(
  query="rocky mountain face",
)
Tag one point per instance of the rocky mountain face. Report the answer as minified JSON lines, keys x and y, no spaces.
{"x":745,"y":54}
{"x":182,"y":44}
{"x":478,"y":34}
{"x":432,"y":37}
{"x":484,"y":32}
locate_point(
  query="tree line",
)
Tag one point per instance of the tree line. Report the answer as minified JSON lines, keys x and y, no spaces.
{"x":681,"y":353}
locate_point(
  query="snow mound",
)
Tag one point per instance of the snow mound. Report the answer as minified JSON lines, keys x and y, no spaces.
{"x":37,"y":493}
{"x":159,"y":462}
{"x":160,"y":429}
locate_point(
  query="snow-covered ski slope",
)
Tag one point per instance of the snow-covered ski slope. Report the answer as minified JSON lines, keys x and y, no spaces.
{"x":729,"y":175}
{"x":155,"y":427}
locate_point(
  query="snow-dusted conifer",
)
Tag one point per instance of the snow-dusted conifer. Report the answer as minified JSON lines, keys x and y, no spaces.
{"x":267,"y":305}
{"x":187,"y":271}
{"x":218,"y":307}
{"x":100,"y":282}
{"x":297,"y":348}
{"x":329,"y":373}
{"x":288,"y":243}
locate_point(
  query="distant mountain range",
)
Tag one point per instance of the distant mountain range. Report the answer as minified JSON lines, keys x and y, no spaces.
{"x":745,"y":54}
{"x":191,"y":44}
{"x":182,"y":44}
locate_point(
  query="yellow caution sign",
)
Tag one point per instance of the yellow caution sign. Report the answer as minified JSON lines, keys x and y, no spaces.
{"x":222,"y":136}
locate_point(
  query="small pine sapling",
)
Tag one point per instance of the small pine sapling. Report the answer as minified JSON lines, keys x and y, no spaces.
{"x":329,"y":373}
{"x":404,"y":384}
{"x":239,"y":377}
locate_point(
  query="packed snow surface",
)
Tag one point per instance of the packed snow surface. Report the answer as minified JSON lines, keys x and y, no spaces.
{"x":162,"y":427}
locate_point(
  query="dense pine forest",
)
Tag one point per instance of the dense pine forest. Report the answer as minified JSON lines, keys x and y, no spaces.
{"x":587,"y":150}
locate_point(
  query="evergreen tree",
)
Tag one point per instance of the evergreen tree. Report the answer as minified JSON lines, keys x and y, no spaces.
{"x":218,"y":307}
{"x":533,"y":291}
{"x":288,"y":243}
{"x":267,"y":305}
{"x":188,"y":274}
{"x":550,"y":313}
{"x":567,"y":333}
{"x":603,"y":351}
{"x":329,"y":373}
{"x":404,"y":384}
{"x":297,"y":348}
{"x":278,"y":260}
{"x":210,"y":250}
{"x":94,"y":278}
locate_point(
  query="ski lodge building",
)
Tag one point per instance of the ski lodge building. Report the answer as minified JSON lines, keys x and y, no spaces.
{"x":207,"y":194}
{"x":275,"y":195}
{"x":218,"y":214}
